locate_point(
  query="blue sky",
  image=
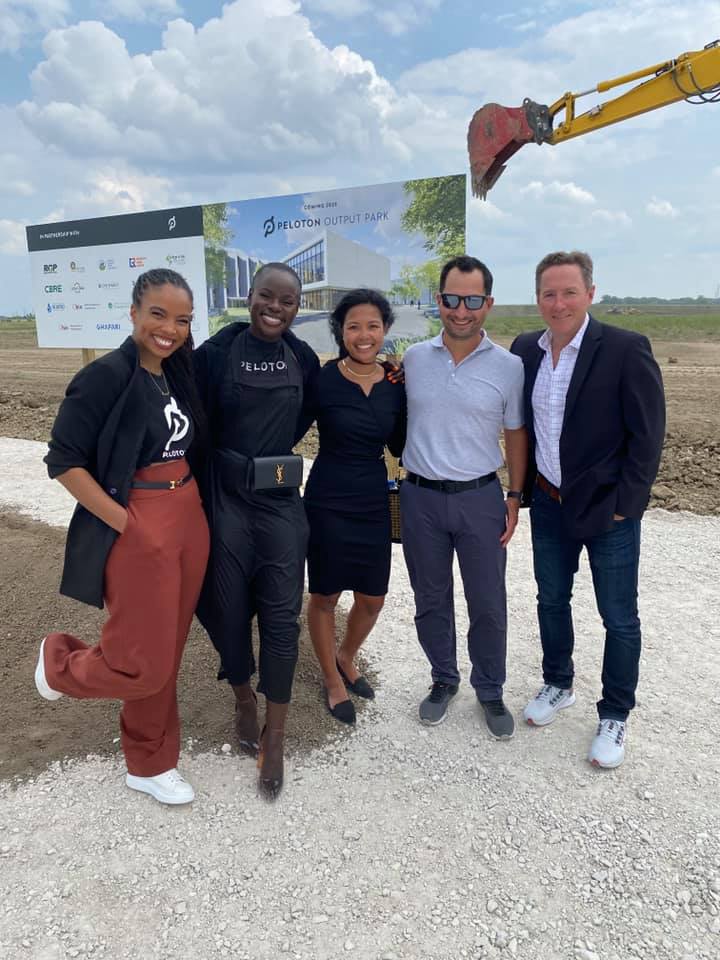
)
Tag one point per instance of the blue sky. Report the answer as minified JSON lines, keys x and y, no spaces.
{"x":112,"y":106}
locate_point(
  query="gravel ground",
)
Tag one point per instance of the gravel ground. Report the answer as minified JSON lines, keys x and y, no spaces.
{"x":400,"y":841}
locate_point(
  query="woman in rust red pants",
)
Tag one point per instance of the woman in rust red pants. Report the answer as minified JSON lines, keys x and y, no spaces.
{"x":138,"y":538}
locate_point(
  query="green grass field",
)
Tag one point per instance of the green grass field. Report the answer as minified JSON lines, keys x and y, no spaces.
{"x":503,"y":322}
{"x":693,"y":327}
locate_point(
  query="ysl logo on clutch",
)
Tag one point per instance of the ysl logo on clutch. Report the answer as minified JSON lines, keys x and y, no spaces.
{"x":279,"y":473}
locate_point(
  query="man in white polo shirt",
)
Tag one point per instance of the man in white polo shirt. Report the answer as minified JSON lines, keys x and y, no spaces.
{"x":462,"y":390}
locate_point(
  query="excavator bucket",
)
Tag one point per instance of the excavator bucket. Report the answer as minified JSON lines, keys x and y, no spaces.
{"x":494,"y":135}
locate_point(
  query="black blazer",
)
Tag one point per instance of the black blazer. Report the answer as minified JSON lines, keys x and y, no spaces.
{"x":100,"y":426}
{"x":613,"y":428}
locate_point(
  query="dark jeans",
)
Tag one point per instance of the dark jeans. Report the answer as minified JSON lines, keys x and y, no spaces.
{"x":614,"y":558}
{"x":435,"y":527}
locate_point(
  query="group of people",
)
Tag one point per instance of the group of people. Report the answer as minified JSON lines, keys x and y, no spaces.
{"x":188,"y":500}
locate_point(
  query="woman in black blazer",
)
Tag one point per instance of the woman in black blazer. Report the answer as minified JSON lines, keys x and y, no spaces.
{"x":138,"y":538}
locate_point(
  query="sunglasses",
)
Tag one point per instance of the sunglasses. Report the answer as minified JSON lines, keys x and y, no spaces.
{"x":473,"y":302}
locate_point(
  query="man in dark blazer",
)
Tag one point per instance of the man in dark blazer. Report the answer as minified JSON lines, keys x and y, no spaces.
{"x":595,"y":415}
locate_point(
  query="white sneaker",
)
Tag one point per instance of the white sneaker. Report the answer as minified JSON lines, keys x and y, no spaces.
{"x":43,"y":687}
{"x":168,"y":787}
{"x":548,"y":701}
{"x":608,"y":747}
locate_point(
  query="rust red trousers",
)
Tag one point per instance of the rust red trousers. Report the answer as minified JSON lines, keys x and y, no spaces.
{"x":153,"y":577}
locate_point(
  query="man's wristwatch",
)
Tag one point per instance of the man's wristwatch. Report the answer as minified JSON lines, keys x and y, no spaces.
{"x":513,"y":495}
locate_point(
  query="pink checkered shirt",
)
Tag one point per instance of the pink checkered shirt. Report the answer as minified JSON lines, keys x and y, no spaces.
{"x":548,"y":402}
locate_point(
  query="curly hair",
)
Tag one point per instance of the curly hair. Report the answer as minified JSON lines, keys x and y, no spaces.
{"x":356,"y":298}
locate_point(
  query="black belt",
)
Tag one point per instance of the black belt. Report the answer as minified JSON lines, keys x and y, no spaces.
{"x":160,"y":484}
{"x":451,"y":486}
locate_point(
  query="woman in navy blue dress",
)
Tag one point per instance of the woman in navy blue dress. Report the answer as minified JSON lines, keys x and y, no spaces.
{"x":359,"y":411}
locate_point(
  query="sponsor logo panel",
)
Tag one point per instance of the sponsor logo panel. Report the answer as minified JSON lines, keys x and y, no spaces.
{"x":136,"y":263}
{"x":55,"y":307}
{"x":108,"y":264}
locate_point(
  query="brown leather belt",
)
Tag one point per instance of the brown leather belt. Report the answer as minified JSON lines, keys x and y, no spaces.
{"x":550,"y":489}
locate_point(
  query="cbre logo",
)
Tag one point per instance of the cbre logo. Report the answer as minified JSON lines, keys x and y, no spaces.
{"x":53,"y":288}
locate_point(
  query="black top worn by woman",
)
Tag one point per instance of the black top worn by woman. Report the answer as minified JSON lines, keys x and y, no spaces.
{"x":100,"y":426}
{"x":346,"y":492}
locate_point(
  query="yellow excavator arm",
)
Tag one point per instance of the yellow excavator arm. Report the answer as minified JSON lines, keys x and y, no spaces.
{"x":496,"y":132}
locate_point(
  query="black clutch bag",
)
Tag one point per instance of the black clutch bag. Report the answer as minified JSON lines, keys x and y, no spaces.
{"x":275,"y":473}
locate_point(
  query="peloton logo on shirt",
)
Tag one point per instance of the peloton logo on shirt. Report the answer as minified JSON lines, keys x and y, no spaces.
{"x":178,"y":423}
{"x":266,"y":366}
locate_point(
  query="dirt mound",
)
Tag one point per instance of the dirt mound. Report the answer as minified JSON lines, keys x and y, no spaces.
{"x":36,"y":732}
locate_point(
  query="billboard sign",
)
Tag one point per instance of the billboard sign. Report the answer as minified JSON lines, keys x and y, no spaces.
{"x":391,"y":237}
{"x":83,"y":272}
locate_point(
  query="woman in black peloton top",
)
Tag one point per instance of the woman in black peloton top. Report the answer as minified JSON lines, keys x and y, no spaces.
{"x":254,"y":382}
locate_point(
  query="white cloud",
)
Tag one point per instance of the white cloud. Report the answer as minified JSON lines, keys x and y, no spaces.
{"x":342,"y":9}
{"x":614,"y":217}
{"x":299,"y":102}
{"x":396,"y":17}
{"x":12,"y":237}
{"x":139,"y":11}
{"x":21,"y":20}
{"x":661,"y":208}
{"x":555,"y":189}
{"x":19,"y":188}
{"x":486,"y":210}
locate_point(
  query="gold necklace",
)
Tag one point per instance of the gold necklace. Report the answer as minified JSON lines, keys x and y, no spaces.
{"x":155,"y":378}
{"x":363,"y":376}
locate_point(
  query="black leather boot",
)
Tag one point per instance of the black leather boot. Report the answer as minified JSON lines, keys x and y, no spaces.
{"x":270,"y":759}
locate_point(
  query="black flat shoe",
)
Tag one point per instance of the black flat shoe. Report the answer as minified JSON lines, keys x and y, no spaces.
{"x":343,"y":711}
{"x":360,"y":687}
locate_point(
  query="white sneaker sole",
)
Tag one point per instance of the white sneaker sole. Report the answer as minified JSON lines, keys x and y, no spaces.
{"x":543,"y":723}
{"x":433,"y":723}
{"x":41,"y":683}
{"x":606,"y":766}
{"x":594,"y":762}
{"x":142,"y":785}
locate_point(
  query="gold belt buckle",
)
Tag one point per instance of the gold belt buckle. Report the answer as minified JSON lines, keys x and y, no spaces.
{"x":174,"y":484}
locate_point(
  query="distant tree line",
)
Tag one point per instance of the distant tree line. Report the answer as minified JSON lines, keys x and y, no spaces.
{"x":640,"y":301}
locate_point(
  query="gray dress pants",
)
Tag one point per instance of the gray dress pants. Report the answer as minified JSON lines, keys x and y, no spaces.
{"x":435,"y":526}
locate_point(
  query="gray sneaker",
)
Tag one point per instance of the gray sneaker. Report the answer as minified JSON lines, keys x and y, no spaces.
{"x":434,"y":707}
{"x":498,"y":718}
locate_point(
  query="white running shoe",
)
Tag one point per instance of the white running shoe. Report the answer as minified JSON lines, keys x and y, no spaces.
{"x":168,"y":787}
{"x":608,"y":748}
{"x":43,"y":687}
{"x":548,"y":701}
